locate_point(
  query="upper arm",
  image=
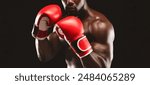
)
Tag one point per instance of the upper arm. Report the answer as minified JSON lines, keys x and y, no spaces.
{"x":103,"y":33}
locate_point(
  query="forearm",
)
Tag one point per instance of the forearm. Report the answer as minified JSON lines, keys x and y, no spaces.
{"x":44,"y":50}
{"x":95,"y":61}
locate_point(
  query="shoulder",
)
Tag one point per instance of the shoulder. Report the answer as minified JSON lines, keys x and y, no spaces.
{"x":101,"y":28}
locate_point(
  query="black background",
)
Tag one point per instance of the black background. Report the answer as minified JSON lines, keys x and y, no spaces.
{"x":129,"y":17}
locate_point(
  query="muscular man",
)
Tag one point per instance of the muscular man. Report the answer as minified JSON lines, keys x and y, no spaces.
{"x":80,"y":24}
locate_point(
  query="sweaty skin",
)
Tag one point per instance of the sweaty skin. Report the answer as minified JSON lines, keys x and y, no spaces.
{"x":99,"y":32}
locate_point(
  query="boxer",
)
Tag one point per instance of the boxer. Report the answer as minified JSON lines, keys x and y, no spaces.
{"x":83,"y":36}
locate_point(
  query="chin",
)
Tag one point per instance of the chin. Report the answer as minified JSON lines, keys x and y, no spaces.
{"x":72,"y":13}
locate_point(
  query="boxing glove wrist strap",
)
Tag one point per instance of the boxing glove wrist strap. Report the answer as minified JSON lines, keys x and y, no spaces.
{"x":41,"y":35}
{"x":82,"y":47}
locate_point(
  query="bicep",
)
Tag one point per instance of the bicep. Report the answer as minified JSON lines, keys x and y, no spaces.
{"x":103,"y":35}
{"x":104,"y":49}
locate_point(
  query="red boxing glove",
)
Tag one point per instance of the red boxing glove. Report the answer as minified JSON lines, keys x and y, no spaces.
{"x":52,"y":14}
{"x":71,"y":29}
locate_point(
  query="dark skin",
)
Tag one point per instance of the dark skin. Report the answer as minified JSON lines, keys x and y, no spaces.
{"x":99,"y":32}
